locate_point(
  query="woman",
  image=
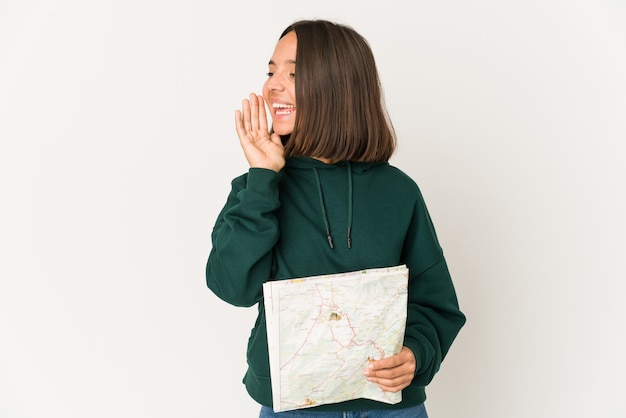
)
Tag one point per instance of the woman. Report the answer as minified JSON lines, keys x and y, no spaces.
{"x":320,"y":197}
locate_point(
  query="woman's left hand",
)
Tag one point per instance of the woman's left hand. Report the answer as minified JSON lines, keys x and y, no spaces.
{"x":393,"y":373}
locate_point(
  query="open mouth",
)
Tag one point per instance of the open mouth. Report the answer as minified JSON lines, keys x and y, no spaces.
{"x":283,"y":109}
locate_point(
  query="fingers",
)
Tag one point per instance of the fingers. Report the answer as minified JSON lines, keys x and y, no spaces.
{"x":251,"y":120}
{"x":254,"y":112}
{"x":394,"y":373}
{"x":258,"y":118}
{"x":390,"y":380}
{"x":404,"y":358}
{"x":245,"y":110}
{"x":261,"y":113}
{"x":239,"y":124}
{"x":392,"y":385}
{"x":243,"y":119}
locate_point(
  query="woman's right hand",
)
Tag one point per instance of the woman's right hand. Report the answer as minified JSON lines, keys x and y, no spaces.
{"x":261,"y":149}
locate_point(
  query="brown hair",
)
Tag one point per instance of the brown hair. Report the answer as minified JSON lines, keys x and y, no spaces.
{"x":341,"y":115}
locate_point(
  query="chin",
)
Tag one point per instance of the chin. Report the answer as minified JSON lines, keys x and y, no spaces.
{"x":281,"y":130}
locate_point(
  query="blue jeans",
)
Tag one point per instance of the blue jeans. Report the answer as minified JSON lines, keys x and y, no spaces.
{"x":412,"y":412}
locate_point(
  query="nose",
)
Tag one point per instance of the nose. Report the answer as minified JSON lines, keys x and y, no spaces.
{"x":274,"y":83}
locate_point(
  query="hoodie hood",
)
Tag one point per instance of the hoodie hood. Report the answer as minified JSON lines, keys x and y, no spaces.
{"x":306,"y":163}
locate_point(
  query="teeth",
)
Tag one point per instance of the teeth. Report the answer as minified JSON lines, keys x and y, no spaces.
{"x":282,"y":106}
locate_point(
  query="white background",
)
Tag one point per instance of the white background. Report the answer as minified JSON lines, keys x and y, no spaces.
{"x":117,"y":150}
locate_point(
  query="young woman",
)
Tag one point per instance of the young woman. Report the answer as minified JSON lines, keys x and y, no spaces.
{"x":320,"y":197}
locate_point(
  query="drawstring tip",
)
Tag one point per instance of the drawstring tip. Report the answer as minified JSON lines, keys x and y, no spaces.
{"x":329,"y":238}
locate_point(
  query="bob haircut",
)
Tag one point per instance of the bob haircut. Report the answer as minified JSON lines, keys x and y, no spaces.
{"x":340,"y":111}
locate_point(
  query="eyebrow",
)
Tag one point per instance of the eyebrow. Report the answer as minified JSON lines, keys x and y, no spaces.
{"x":288,"y":62}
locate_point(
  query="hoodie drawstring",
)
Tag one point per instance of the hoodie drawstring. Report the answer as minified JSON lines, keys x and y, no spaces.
{"x":319,"y":189}
{"x":349,"y":234}
{"x":323,"y":207}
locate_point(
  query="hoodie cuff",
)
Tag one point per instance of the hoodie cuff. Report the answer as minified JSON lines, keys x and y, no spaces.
{"x":263,"y":180}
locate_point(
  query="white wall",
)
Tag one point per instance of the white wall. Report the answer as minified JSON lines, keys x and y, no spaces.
{"x":117,"y":146}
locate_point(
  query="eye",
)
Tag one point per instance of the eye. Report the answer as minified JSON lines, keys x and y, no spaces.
{"x":292,"y":75}
{"x":270,"y":74}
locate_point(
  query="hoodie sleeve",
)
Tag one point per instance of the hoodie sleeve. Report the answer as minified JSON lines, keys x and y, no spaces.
{"x":434,"y":318}
{"x":243,"y":237}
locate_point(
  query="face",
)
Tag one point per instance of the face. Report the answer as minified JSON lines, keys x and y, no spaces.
{"x":279,"y":91}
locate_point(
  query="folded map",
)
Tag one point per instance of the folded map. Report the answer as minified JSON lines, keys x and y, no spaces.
{"x":323,"y":330}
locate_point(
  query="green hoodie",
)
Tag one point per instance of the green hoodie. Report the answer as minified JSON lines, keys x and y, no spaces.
{"x":314,"y":218}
